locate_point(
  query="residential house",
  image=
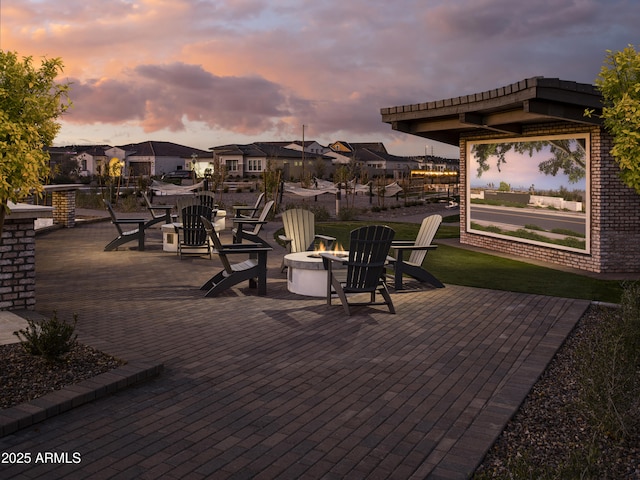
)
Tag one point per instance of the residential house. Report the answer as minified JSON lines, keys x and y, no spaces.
{"x":253,"y":159}
{"x":156,"y":158}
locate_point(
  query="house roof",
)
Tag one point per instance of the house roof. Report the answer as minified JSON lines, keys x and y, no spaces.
{"x":505,"y":110}
{"x":153,"y":148}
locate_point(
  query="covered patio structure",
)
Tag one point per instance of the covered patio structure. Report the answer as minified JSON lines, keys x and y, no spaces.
{"x":534,"y":116}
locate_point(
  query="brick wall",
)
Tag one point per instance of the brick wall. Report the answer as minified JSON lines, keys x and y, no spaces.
{"x":614,"y":209}
{"x":17,"y":265}
{"x":64,"y":207}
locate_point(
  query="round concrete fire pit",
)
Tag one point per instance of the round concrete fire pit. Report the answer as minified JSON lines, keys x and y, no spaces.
{"x":306,"y":274}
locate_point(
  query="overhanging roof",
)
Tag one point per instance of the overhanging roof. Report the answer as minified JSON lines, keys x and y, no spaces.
{"x":503,"y":110}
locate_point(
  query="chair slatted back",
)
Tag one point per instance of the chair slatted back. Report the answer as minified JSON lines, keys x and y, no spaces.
{"x":112,"y":214}
{"x":263,"y":216}
{"x":208,"y":199}
{"x":368,"y":250}
{"x":299,"y":226}
{"x":427,"y":231}
{"x":184,"y":201}
{"x":193,"y":231}
{"x":257,"y":205}
{"x":217,"y":244}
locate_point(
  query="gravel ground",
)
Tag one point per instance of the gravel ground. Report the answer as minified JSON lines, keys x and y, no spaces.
{"x":551,"y":433}
{"x":24,"y":377}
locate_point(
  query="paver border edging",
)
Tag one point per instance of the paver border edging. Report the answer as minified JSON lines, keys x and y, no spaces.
{"x":39,"y":409}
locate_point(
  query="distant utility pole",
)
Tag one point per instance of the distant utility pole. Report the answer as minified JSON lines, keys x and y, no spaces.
{"x":302,"y":176}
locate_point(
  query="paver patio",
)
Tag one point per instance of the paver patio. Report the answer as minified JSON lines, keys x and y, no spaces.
{"x":282,"y":386}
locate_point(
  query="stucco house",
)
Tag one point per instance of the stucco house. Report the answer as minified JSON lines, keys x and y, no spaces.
{"x":537,"y":176}
{"x":252,"y":159}
{"x":156,"y":158}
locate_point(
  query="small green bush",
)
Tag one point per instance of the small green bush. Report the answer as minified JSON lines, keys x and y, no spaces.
{"x":348,"y":214}
{"x":50,"y":338}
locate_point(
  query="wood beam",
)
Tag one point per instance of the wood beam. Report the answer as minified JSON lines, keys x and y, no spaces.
{"x":489,"y":122}
{"x":560,"y":111}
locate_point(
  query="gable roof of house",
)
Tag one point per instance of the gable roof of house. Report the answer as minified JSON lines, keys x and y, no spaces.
{"x":276,"y":151}
{"x":152,"y":148}
{"x":504,"y":110}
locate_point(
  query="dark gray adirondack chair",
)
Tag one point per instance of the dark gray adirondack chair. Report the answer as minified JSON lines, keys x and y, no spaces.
{"x":418,"y":249}
{"x":365,"y":267}
{"x":163,"y":216}
{"x":125,"y":236}
{"x":247,"y":211}
{"x":239,"y":232}
{"x":254,"y":269}
{"x":193,"y":238}
{"x":208,"y":199}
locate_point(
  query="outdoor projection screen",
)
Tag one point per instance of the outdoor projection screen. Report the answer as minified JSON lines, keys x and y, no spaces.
{"x":532,"y":190}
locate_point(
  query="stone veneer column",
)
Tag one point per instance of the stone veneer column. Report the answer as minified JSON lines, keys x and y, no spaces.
{"x":17,"y":265}
{"x":64,"y":207}
{"x":17,"y":256}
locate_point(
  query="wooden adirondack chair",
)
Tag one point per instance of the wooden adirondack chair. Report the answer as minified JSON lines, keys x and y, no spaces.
{"x":418,"y":249}
{"x":192,"y":235}
{"x":239,"y":233}
{"x":299,"y":232}
{"x":246,"y":211}
{"x":365,"y":267}
{"x":165,"y":216}
{"x":208,"y":199}
{"x":254,"y":269}
{"x":125,"y":236}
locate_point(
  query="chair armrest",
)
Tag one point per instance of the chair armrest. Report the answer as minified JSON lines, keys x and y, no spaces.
{"x":130,"y":221}
{"x":325,"y":237}
{"x":250,"y":221}
{"x":395,"y":243}
{"x":334,"y":258}
{"x":285,"y":239}
{"x":414,"y":247}
{"x":232,"y":248}
{"x":243,"y":208}
{"x":160,"y":207}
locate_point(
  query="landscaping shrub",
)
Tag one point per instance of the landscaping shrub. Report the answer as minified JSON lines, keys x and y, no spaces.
{"x":50,"y":338}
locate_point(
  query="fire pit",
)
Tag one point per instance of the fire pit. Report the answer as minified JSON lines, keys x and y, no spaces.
{"x":306,"y":274}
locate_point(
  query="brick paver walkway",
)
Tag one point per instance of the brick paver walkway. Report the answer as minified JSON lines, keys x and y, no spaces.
{"x":282,"y":386}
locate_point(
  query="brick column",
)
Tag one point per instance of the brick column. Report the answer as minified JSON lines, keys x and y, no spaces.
{"x":64,"y":207}
{"x":17,"y":265}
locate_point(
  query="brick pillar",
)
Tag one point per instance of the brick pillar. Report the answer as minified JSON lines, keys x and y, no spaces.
{"x":64,"y":207}
{"x":17,"y":265}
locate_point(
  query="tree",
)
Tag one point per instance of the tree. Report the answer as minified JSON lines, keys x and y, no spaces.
{"x":567,"y":155}
{"x":30,"y":103}
{"x":619,"y":83}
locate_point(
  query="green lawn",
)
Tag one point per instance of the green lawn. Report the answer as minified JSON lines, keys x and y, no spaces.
{"x":459,"y":266}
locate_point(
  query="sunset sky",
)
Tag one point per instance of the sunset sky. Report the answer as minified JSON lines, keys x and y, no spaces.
{"x":204,"y":73}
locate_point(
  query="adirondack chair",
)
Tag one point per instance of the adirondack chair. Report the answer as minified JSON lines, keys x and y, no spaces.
{"x":365,"y":267}
{"x":299,"y":232}
{"x":239,"y":233}
{"x":165,"y":216}
{"x":208,"y":199}
{"x":192,"y":236}
{"x":246,"y":211}
{"x":182,"y":202}
{"x":254,"y":269}
{"x":125,"y":236}
{"x":418,"y":249}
